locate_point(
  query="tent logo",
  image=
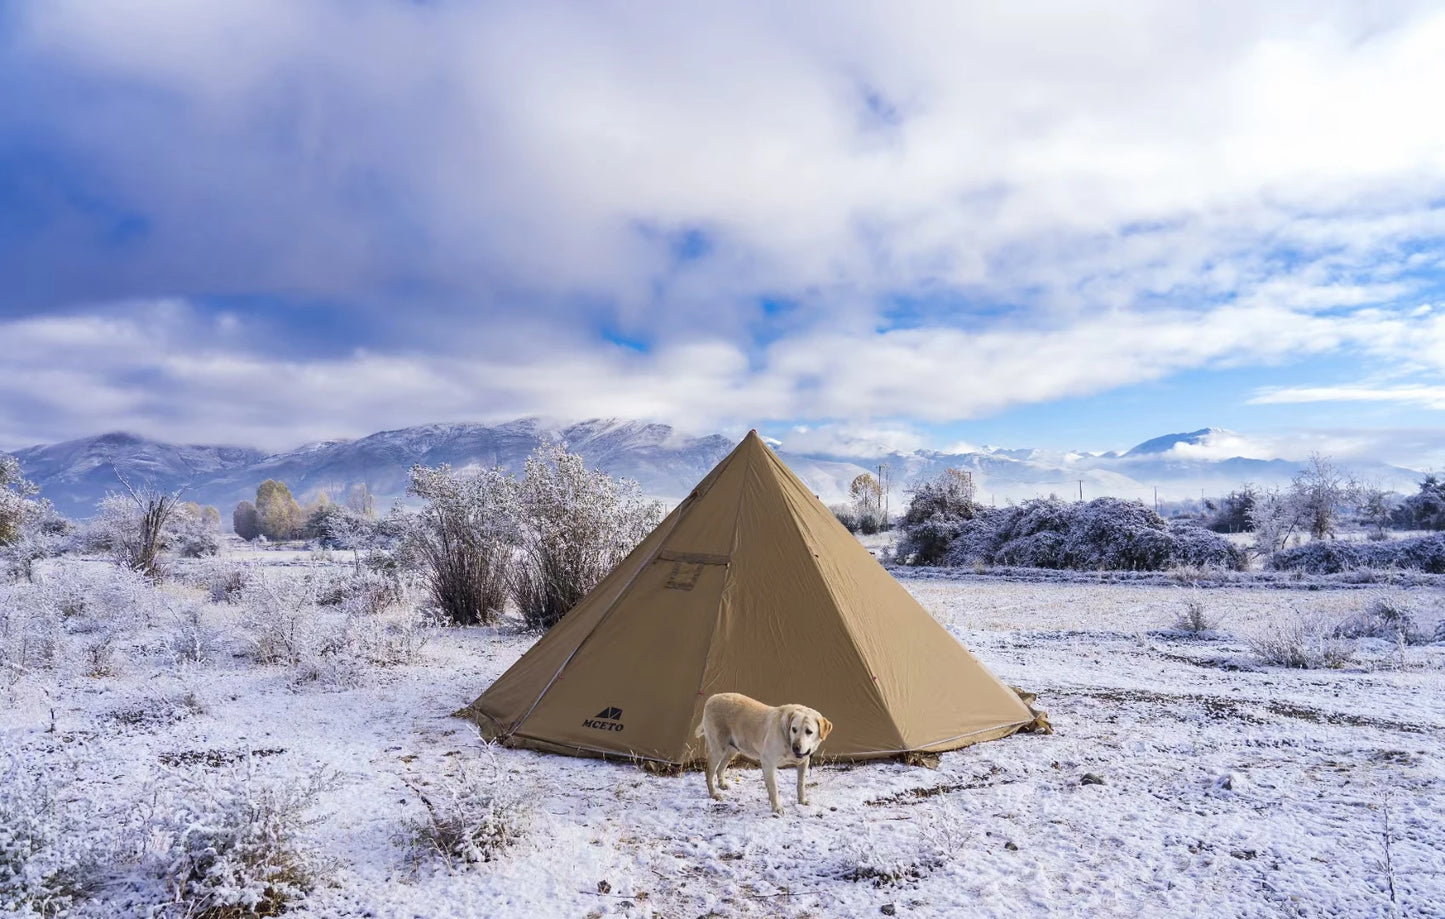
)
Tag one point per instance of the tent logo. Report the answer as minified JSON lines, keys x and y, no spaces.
{"x":609,"y":719}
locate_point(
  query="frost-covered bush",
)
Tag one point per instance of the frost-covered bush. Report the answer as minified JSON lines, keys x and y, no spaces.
{"x":1304,"y":641}
{"x":222,"y":581}
{"x":190,"y":640}
{"x":94,"y":599}
{"x":1201,"y":548}
{"x":573,"y":526}
{"x":471,"y":818}
{"x":937,"y":509}
{"x":1109,"y":533}
{"x":462,"y":540}
{"x":193,"y":531}
{"x":927,"y":542}
{"x":388,"y":640}
{"x":30,"y":632}
{"x":229,"y":844}
{"x":1194,"y":617}
{"x":360,"y":590}
{"x":1104,"y":534}
{"x":1329,"y":556}
{"x":1385,"y":617}
{"x":280,"y":618}
{"x":52,"y":852}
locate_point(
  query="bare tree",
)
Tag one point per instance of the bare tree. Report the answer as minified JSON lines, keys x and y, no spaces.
{"x":1319,"y":490}
{"x":867,"y":497}
{"x":1275,"y":517}
{"x":1374,"y":506}
{"x":141,"y":551}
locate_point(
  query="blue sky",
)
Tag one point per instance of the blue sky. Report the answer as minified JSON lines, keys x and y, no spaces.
{"x":911,"y":225}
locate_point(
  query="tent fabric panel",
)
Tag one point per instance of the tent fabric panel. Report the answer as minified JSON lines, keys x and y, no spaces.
{"x":631,"y":687}
{"x":509,"y":698}
{"x":779,"y":638}
{"x":934,"y":688}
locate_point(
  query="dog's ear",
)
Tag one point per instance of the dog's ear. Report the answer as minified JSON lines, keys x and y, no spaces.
{"x":787,"y":722}
{"x":824,"y":727}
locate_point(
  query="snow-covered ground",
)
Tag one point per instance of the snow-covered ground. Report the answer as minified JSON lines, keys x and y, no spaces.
{"x":1224,"y":787}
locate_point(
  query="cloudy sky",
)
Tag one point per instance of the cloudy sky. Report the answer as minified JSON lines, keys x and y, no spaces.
{"x":925,"y":224}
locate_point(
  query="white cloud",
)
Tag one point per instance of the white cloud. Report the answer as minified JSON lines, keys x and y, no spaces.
{"x":1428,"y":397}
{"x":1103,"y":194}
{"x":521,"y":146}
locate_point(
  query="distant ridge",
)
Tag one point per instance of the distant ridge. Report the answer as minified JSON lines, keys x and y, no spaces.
{"x":665,"y":462}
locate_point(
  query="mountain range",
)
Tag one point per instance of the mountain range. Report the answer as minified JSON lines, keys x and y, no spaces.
{"x":665,"y":462}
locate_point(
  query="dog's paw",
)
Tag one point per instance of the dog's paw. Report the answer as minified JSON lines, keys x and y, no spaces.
{"x":805,"y":801}
{"x":716,"y":796}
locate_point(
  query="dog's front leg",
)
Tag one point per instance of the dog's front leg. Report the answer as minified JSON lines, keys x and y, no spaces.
{"x":770,"y":776}
{"x":803,"y":780}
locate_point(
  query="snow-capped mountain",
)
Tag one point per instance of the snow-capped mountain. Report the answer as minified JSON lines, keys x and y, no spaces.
{"x":77,"y":474}
{"x":666,"y":462}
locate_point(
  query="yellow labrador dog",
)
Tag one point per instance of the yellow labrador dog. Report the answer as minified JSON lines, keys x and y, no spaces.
{"x":786,"y":735}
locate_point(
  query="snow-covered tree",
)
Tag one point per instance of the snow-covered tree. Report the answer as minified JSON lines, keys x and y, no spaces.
{"x":1275,"y":517}
{"x":573,"y":526}
{"x":1318,"y":491}
{"x":30,"y":528}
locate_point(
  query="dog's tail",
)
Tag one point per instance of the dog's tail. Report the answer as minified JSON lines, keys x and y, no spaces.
{"x":699,"y":731}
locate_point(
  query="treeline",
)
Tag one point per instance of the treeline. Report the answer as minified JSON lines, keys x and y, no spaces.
{"x":276,"y":515}
{"x":1292,"y":528}
{"x":1332,"y":499}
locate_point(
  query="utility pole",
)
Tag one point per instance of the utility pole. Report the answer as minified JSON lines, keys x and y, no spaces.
{"x":1156,"y":499}
{"x":1081,"y":489}
{"x":883,"y":491}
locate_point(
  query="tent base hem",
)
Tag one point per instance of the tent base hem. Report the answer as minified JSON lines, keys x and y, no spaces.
{"x":494,"y":732}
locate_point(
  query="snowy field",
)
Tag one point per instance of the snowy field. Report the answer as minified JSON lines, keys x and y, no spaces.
{"x":1215,"y":785}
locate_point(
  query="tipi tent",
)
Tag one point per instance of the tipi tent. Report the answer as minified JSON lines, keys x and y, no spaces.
{"x":750,"y":585}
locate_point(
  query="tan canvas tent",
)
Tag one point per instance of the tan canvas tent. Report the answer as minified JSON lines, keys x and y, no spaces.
{"x":750,"y":585}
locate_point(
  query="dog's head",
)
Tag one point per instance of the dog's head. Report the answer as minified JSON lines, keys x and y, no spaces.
{"x":805,"y":729}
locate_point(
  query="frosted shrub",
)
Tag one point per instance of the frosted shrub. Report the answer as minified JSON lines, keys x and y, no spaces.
{"x":280,"y":618}
{"x":1305,"y":642}
{"x":573,"y":526}
{"x":30,"y":529}
{"x":1194,"y":618}
{"x":50,"y":852}
{"x":1329,"y":556}
{"x":30,"y":632}
{"x":470,"y":819}
{"x":461,"y":540}
{"x":92,"y":599}
{"x":1201,"y":548}
{"x":360,"y":590}
{"x":229,"y":844}
{"x":190,"y":640}
{"x":389,"y":640}
{"x":1104,"y":534}
{"x":1384,"y":617}
{"x":222,"y":581}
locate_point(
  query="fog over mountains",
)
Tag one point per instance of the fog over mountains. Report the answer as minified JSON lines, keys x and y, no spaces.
{"x":667,"y":463}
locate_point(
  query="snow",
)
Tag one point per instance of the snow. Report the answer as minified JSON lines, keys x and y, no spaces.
{"x":1228,"y":788}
